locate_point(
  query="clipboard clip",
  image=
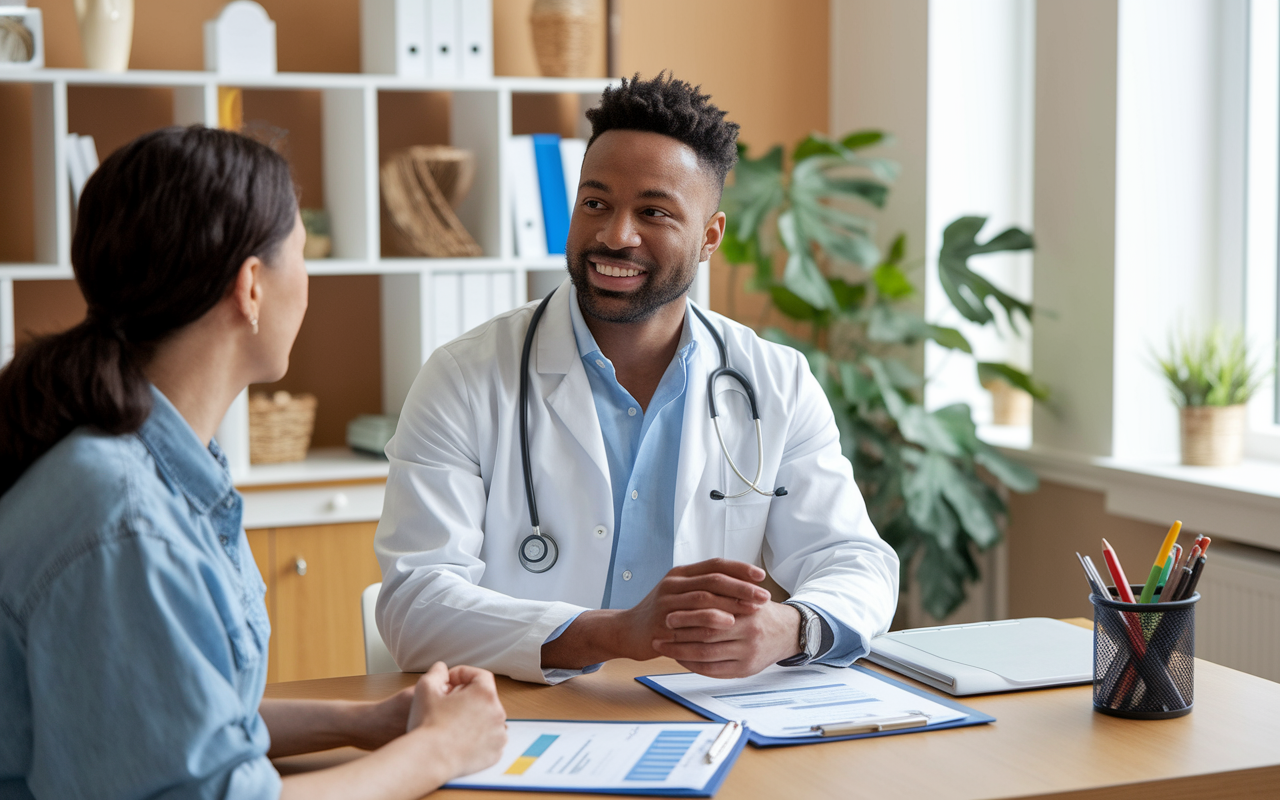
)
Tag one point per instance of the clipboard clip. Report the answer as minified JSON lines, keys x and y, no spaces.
{"x":914,"y":719}
{"x":727,"y":736}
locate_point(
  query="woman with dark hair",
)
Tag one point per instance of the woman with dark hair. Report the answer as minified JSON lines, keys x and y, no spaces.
{"x":133,"y":634}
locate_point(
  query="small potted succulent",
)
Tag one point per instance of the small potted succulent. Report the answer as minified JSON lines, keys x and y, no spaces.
{"x":1211,"y":378}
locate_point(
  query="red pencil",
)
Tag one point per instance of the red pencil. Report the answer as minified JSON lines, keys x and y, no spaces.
{"x":1123,"y":591}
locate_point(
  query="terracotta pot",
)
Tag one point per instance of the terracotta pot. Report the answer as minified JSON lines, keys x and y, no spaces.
{"x":106,"y":33}
{"x":1212,"y":436}
{"x":562,"y":32}
{"x":1009,"y":404}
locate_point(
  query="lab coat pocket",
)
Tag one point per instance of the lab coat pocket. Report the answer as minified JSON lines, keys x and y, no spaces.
{"x":744,"y":528}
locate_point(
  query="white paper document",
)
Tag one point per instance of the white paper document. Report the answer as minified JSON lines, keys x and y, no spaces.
{"x":603,"y":756}
{"x":790,"y":701}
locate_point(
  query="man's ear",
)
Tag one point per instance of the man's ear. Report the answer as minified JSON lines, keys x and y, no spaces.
{"x":247,"y":289}
{"x":713,"y":235}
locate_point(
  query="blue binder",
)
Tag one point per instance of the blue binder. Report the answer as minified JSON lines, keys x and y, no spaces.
{"x":974,"y":717}
{"x":555,"y":200}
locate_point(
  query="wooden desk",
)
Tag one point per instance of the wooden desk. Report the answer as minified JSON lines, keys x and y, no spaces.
{"x":1044,"y":743}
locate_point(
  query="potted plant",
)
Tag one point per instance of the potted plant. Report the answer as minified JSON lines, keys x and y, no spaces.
{"x":931,"y":485}
{"x":1211,"y":378}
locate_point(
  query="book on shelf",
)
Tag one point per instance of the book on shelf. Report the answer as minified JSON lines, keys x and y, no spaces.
{"x":544,"y":173}
{"x":82,"y":161}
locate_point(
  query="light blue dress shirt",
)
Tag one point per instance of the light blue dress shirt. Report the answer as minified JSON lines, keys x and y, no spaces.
{"x":133,"y":634}
{"x":643,"y":449}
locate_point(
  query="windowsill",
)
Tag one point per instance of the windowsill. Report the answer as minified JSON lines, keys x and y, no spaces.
{"x":1240,"y":504}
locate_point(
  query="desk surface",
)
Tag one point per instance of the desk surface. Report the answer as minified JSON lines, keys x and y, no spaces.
{"x":1043,"y":743}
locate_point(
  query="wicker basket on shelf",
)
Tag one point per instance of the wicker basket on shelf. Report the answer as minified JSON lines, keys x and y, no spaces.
{"x":280,"y":427}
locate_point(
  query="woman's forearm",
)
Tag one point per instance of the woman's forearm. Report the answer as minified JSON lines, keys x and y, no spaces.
{"x":409,"y":767}
{"x":304,"y":726}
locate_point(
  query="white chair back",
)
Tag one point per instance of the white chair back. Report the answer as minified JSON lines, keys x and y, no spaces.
{"x":377,"y":658}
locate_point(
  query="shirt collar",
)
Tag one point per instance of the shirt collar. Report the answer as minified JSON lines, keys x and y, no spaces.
{"x":587,"y":346}
{"x":199,"y":472}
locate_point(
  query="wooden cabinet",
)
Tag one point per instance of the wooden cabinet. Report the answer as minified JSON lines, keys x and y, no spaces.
{"x":314,"y":576}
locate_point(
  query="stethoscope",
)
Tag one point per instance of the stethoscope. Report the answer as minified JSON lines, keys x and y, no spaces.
{"x":538,"y":551}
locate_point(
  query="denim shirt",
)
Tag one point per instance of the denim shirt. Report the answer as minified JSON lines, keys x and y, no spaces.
{"x":133,"y":633}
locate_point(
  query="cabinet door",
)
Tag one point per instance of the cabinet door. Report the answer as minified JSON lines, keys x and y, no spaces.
{"x":319,"y":573}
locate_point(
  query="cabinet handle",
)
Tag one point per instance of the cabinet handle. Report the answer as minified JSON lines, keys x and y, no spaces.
{"x":300,"y":564}
{"x":339,"y":502}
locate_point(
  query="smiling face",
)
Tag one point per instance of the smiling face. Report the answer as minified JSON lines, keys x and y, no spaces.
{"x":645,"y":216}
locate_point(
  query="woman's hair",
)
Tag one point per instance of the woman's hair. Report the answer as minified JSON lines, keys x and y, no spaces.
{"x":164,"y":226}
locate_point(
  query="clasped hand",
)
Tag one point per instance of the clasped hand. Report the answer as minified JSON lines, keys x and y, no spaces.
{"x":714,"y":619}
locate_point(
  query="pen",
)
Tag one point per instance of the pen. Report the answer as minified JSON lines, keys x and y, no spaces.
{"x":1117,"y":574}
{"x":1188,"y":586}
{"x":1149,"y":588}
{"x":728,"y":734}
{"x":872,"y":725}
{"x":1174,"y":586}
{"x":1169,"y":564}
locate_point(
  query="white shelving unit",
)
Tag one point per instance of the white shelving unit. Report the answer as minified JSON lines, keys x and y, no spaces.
{"x":425,"y":302}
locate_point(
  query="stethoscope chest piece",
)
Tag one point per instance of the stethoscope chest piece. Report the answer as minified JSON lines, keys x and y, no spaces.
{"x":538,"y":552}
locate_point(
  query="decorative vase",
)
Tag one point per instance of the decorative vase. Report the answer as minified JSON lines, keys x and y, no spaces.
{"x":1212,"y":436}
{"x":1009,"y":404}
{"x":106,"y":33}
{"x":561,"y":33}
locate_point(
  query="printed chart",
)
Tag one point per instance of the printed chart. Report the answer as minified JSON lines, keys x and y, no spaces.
{"x":602,"y":756}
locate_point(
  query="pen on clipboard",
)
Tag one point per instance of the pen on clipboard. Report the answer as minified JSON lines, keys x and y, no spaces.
{"x":727,"y":736}
{"x":872,"y":725}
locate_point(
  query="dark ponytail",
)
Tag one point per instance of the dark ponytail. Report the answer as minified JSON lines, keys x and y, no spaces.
{"x":164,"y":226}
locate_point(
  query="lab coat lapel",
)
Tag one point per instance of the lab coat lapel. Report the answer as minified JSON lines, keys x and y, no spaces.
{"x":571,"y":399}
{"x":696,"y":438}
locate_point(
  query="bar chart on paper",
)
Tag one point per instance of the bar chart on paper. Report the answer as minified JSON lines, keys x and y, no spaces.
{"x":667,"y":758}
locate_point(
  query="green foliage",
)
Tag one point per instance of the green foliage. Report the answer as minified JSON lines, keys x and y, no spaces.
{"x":919,"y":470}
{"x":1210,"y":368}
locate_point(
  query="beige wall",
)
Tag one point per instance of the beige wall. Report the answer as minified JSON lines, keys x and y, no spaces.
{"x":1048,"y":528}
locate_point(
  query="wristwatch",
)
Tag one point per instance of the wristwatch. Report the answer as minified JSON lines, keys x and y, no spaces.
{"x":811,"y":636}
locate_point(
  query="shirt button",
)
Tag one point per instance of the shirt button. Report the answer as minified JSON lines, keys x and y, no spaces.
{"x":626,"y":576}
{"x":631,"y":412}
{"x":600,"y":531}
{"x":229,"y":502}
{"x":222,"y":539}
{"x":599,"y":363}
{"x":634,"y":494}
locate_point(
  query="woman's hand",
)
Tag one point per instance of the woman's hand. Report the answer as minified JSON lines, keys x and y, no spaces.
{"x":462,"y":706}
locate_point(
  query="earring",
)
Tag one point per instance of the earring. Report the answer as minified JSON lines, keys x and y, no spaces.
{"x":254,"y":322}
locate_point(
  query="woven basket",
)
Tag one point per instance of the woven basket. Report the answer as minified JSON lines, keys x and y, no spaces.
{"x":1009,"y":404}
{"x":420,"y":186}
{"x":562,"y":32}
{"x":280,"y":427}
{"x":1212,"y":436}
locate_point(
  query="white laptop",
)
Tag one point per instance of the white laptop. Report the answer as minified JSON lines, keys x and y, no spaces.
{"x":985,"y":657}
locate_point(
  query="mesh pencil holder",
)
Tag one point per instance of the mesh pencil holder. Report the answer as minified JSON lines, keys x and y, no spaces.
{"x":1144,"y":657}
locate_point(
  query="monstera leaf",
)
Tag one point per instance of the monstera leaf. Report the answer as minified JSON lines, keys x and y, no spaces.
{"x":967,"y":290}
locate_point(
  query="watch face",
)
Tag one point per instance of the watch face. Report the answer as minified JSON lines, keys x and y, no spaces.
{"x":812,"y":634}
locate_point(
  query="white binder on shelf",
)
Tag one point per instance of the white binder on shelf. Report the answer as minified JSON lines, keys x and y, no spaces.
{"x":526,"y":199}
{"x":393,"y":37}
{"x":477,"y":39}
{"x":444,"y":35}
{"x":572,"y":151}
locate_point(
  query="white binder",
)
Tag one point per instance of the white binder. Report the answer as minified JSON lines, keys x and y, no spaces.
{"x":984,"y":657}
{"x":477,"y":39}
{"x":572,"y":151}
{"x":526,"y":199}
{"x":444,"y":34}
{"x":393,"y":37}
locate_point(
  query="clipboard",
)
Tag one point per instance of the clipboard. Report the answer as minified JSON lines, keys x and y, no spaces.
{"x":707,"y":789}
{"x":973,"y":716}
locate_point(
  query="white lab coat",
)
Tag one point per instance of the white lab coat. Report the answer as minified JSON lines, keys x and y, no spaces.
{"x":455,"y":511}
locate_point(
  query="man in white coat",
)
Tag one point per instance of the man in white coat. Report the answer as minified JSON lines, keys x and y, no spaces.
{"x":650,"y":543}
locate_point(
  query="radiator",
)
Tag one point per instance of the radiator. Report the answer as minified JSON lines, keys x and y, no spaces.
{"x":1238,"y":616}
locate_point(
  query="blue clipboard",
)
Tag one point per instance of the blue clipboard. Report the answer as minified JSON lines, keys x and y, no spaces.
{"x":975,"y":717}
{"x":708,"y":790}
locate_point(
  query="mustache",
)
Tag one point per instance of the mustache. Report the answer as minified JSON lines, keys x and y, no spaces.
{"x":617,"y":255}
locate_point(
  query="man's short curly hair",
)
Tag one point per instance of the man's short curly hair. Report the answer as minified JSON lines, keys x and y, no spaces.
{"x":673,"y":108}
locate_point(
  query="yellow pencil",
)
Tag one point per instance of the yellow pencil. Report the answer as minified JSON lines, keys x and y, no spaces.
{"x":1149,"y":589}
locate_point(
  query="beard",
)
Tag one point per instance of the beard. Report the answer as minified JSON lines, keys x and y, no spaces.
{"x":641,"y":303}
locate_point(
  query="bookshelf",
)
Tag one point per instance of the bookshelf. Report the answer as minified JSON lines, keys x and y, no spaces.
{"x":424,"y":301}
